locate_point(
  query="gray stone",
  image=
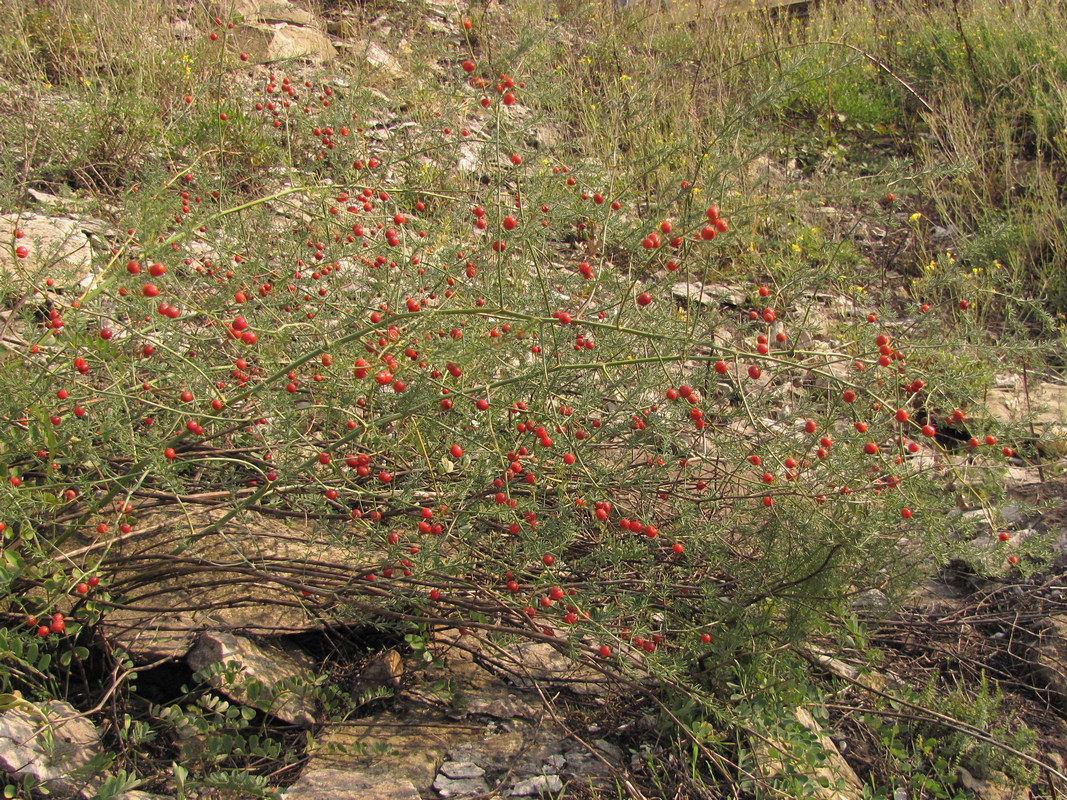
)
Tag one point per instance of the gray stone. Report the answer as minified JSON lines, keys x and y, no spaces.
{"x":183,"y":29}
{"x":461,"y":787}
{"x":707,"y":294}
{"x":537,"y":785}
{"x":987,"y":555}
{"x":57,"y":248}
{"x":344,"y":784}
{"x":494,"y":752}
{"x":409,"y":747}
{"x":501,"y":706}
{"x":53,"y":203}
{"x":556,"y":761}
{"x":343,"y":28}
{"x":997,"y":787}
{"x":379,"y":58}
{"x":1048,"y":659}
{"x":384,"y":670}
{"x":540,"y":662}
{"x":469,"y":160}
{"x":837,"y":779}
{"x":161,"y":615}
{"x":306,"y":44}
{"x":267,"y":665}
{"x":582,"y":766}
{"x":52,"y":743}
{"x":270,"y":11}
{"x":1012,"y":515}
{"x":871,"y":600}
{"x":1042,"y":404}
{"x":458,"y":770}
{"x":612,"y":751}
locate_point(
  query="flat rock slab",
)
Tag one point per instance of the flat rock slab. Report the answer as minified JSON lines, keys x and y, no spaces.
{"x":176,"y":581}
{"x":837,"y":780}
{"x":266,"y":665}
{"x":340,"y":784}
{"x":459,"y":787}
{"x":56,"y":248}
{"x":707,"y":294}
{"x":54,"y":745}
{"x":1048,"y":659}
{"x":409,"y":747}
{"x":269,"y":11}
{"x":536,"y":786}
{"x":267,"y":42}
{"x":305,"y":44}
{"x":540,"y":662}
{"x":458,"y":730}
{"x":1042,"y":404}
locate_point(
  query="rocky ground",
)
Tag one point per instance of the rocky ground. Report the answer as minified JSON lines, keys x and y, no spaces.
{"x":456,"y":714}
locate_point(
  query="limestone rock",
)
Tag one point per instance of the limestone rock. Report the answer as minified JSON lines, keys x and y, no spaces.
{"x":493,"y":752}
{"x":291,"y":42}
{"x":271,"y":11}
{"x":1042,"y":404}
{"x":183,"y":29}
{"x":181,"y":585}
{"x":1048,"y":658}
{"x":384,"y":670}
{"x":501,"y":705}
{"x":53,"y":744}
{"x":460,"y":787}
{"x":343,"y":28}
{"x":540,"y":662}
{"x":267,"y":665}
{"x":537,"y":785}
{"x":408,"y":747}
{"x":871,"y":600}
{"x":460,"y":770}
{"x":342,"y":784}
{"x":987,"y":555}
{"x":997,"y":787}
{"x":379,"y":58}
{"x":56,"y":248}
{"x":842,"y":783}
{"x":253,"y":39}
{"x":708,"y":294}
